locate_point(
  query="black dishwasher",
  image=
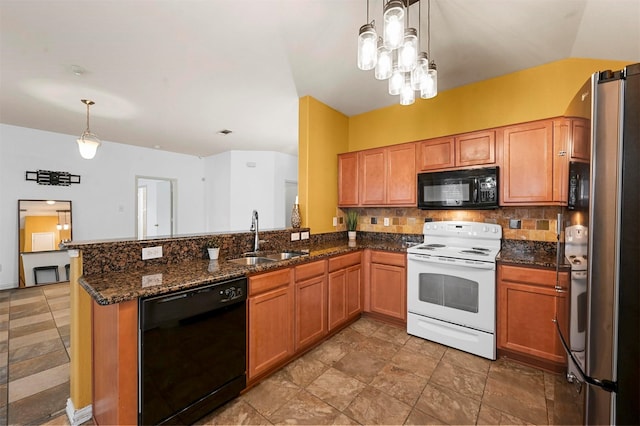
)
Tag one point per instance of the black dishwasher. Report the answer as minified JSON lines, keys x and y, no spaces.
{"x":192,"y":352}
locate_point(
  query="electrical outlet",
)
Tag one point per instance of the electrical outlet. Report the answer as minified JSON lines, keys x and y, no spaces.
{"x":335,"y":221}
{"x":151,"y":252}
{"x":295,"y":236}
{"x":515,"y":224}
{"x":304,"y":235}
{"x":386,"y":221}
{"x":151,"y":280}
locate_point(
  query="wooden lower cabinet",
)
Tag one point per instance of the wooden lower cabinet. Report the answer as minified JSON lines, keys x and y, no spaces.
{"x":115,"y":363}
{"x":270,"y":321}
{"x":527,"y":305}
{"x":344,"y":296}
{"x":388,"y":285}
{"x":311,"y":304}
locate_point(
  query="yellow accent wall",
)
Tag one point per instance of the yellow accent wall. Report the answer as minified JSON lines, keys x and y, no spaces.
{"x":535,"y":93}
{"x":40,"y":224}
{"x":323,"y":133}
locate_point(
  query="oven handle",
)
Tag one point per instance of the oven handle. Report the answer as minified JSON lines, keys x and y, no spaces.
{"x":442,"y":260}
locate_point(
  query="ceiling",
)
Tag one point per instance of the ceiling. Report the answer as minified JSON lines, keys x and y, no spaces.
{"x":171,"y":74}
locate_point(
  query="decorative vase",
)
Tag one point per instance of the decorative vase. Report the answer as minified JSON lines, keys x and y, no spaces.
{"x":213,"y":252}
{"x":352,"y":235}
{"x":295,"y":216}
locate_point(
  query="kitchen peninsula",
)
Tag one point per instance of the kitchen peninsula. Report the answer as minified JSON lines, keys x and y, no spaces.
{"x":329,"y":275}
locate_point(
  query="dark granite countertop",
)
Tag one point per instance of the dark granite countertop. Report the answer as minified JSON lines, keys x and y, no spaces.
{"x":531,"y":253}
{"x":115,"y":287}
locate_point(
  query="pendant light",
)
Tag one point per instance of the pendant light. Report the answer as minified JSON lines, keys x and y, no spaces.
{"x":395,"y":81}
{"x":384,"y":66}
{"x":407,"y":94}
{"x":430,"y":88}
{"x":59,"y":225}
{"x":88,"y":143}
{"x":367,"y":45}
{"x":393,"y":17}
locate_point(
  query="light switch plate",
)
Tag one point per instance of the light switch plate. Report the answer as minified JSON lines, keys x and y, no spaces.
{"x":335,"y":221}
{"x":386,"y":221}
{"x":151,"y":252}
{"x":304,"y":235}
{"x":295,"y":236}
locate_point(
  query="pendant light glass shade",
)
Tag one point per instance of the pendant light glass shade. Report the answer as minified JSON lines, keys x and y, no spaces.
{"x":393,"y":17}
{"x":385,"y":62}
{"x":407,"y":94}
{"x":407,"y":53}
{"x":88,"y":143}
{"x":367,"y":47}
{"x":395,"y":81}
{"x":430,"y":90}
{"x":419,"y":73}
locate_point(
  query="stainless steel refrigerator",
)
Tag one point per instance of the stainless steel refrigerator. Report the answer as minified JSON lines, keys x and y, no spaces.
{"x":613,"y":323}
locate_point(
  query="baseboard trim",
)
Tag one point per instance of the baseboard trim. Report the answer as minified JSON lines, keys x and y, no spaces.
{"x":77,"y":417}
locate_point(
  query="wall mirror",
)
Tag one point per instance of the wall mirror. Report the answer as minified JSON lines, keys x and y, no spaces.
{"x":43,"y":226}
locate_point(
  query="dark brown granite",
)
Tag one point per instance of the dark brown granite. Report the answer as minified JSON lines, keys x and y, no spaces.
{"x":531,"y":253}
{"x":148,"y":278}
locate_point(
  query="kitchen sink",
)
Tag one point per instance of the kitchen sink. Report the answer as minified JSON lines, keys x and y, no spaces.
{"x":252,"y":260}
{"x":286,"y":255}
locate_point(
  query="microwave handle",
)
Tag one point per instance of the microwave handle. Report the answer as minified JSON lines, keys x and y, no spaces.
{"x":475,"y":190}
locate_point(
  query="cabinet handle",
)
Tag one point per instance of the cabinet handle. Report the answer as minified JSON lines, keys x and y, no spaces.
{"x":560,"y":289}
{"x":562,"y":153}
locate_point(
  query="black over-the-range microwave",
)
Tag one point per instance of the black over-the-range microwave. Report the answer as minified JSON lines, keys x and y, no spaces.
{"x":459,"y":189}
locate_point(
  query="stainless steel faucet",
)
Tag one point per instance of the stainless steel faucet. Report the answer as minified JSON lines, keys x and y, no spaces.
{"x":254,"y":229}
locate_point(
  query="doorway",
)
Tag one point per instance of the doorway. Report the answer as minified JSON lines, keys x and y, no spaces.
{"x":155,"y":207}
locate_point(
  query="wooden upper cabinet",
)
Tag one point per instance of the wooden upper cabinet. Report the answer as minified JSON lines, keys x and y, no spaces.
{"x":475,"y":148}
{"x":527,"y":169}
{"x":434,"y":154}
{"x":373,"y":179}
{"x":401,"y":175}
{"x":580,"y":139}
{"x":348,"y":179}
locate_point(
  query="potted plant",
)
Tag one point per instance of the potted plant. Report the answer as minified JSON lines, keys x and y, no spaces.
{"x":213,"y":247}
{"x":352,"y":224}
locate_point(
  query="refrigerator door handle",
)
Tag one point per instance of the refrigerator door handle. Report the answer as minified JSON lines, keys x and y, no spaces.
{"x":605,"y":384}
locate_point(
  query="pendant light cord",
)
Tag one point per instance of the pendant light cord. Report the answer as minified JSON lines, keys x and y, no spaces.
{"x":429,"y":29}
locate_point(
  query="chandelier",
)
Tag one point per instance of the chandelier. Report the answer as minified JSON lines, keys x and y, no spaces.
{"x":396,"y":55}
{"x":88,"y":142}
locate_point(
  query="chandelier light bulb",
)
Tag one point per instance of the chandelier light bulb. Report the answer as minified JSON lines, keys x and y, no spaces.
{"x":430,"y":89}
{"x":419,"y":73}
{"x":393,"y":31}
{"x":384,"y":65}
{"x":395,"y":81}
{"x":367,"y":47}
{"x":407,"y":94}
{"x":407,"y":53}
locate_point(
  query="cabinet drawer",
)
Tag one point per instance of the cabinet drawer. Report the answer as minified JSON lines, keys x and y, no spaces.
{"x":341,"y":262}
{"x":268,"y":281}
{"x":388,"y":258}
{"x":310,"y":270}
{"x":546,"y":277}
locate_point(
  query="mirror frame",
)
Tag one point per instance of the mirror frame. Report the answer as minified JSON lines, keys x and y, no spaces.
{"x":47,"y":207}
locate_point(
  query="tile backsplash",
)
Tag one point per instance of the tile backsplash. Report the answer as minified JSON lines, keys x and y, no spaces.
{"x":518,"y":223}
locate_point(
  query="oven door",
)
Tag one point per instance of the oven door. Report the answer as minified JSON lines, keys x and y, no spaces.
{"x":452,"y":290}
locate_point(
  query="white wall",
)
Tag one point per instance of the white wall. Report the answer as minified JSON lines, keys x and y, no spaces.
{"x":103,"y":203}
{"x":239,"y":182}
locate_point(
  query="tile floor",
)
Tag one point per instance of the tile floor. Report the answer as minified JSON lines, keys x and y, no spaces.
{"x":374,"y":373}
{"x":369,"y":373}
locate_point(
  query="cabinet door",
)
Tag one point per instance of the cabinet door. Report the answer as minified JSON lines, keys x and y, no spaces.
{"x":348,"y":179}
{"x":373,"y":177}
{"x":353,"y":302}
{"x":270,"y":330}
{"x":388,"y":290}
{"x":580,"y":139}
{"x":435,"y":154}
{"x":561,"y":141}
{"x":527,"y":172}
{"x":311,"y":311}
{"x":336,"y":298}
{"x":401,"y":175}
{"x":476,"y":148}
{"x":526,"y":324}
